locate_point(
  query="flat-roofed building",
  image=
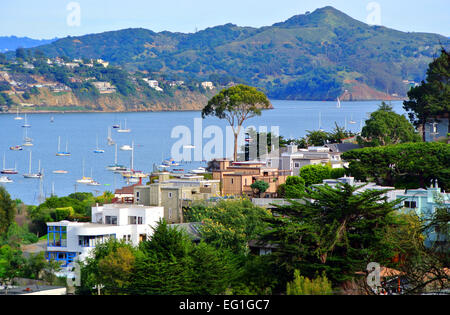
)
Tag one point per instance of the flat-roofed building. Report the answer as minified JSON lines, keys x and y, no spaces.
{"x":69,"y":241}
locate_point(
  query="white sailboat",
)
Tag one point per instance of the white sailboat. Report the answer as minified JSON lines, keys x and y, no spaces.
{"x":5,"y":179}
{"x":84,"y":179}
{"x":26,"y":124}
{"x":17,"y":115}
{"x":97,"y":150}
{"x":124,"y":130}
{"x":28,"y":142}
{"x":338,"y":103}
{"x":110,"y":139}
{"x":126,"y":147}
{"x":93,"y":182}
{"x":351,"y":121}
{"x":320,"y":122}
{"x":33,"y":175}
{"x":62,"y":153}
{"x":115,"y":166}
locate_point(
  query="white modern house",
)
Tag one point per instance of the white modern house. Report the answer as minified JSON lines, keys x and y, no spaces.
{"x":70,"y":241}
{"x":294,"y":159}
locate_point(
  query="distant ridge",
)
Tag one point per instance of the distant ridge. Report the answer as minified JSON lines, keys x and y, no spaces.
{"x":9,"y":43}
{"x":315,"y":56}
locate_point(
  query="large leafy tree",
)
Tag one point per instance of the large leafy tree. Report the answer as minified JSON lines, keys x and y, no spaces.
{"x":407,"y":165}
{"x":7,"y":210}
{"x":170,"y":263}
{"x":337,"y":230}
{"x":432,"y":98}
{"x":229,"y":224}
{"x":11,"y":263}
{"x":236,"y":104}
{"x":387,"y":127}
{"x":293,"y":188}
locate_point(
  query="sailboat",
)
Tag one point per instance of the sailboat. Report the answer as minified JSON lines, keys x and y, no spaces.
{"x":16,"y":148}
{"x":338,"y":103}
{"x":110,"y":140}
{"x":8,"y":171}
{"x":320,"y":122}
{"x":62,"y":153}
{"x":84,"y":180}
{"x":26,"y":124}
{"x":33,"y":175}
{"x":115,"y":166}
{"x":27,"y":140}
{"x":93,"y":182}
{"x":97,"y":150}
{"x":125,"y":129}
{"x":126,"y":147}
{"x":17,"y":116}
{"x":5,"y":179}
{"x":351,"y":121}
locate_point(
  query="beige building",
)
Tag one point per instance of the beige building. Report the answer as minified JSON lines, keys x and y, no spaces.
{"x":237,"y":177}
{"x":175,"y":193}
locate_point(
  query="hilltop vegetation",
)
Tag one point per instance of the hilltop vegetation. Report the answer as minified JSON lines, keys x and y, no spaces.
{"x":316,"y":56}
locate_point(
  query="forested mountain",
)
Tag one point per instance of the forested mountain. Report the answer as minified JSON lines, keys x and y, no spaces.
{"x":316,"y":56}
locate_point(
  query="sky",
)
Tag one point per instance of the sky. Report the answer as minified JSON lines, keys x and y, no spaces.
{"x":46,"y":19}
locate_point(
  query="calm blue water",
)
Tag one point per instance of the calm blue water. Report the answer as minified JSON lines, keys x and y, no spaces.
{"x":151,"y":133}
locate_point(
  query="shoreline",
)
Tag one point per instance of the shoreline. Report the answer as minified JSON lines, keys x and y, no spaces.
{"x":162,"y":111}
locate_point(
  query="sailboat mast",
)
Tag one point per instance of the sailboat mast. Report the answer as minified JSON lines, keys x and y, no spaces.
{"x":29,"y":168}
{"x":115,"y":156}
{"x":132,"y":155}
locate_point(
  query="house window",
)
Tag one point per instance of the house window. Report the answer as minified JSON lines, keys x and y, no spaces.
{"x":140,"y":220}
{"x":132,"y":220}
{"x":170,"y":213}
{"x":170,"y":195}
{"x":296,"y":165}
{"x":57,"y":236}
{"x":410,"y":204}
{"x":111,"y":220}
{"x":232,"y":181}
{"x":138,"y":196}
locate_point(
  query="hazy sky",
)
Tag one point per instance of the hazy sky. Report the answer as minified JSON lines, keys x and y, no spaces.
{"x":59,"y":18}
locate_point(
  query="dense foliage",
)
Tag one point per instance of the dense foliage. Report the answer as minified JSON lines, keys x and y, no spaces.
{"x":229,"y":224}
{"x":385,"y":127}
{"x":432,"y":98}
{"x":408,"y":165}
{"x":334,"y":230}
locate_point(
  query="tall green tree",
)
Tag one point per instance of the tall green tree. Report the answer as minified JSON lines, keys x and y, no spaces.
{"x":386,"y":127}
{"x":7,"y":211}
{"x":236,"y":105}
{"x":229,"y":224}
{"x":337,"y":230}
{"x":170,"y":263}
{"x":432,"y":98}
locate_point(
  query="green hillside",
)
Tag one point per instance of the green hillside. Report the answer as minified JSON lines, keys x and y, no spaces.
{"x":313,"y":56}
